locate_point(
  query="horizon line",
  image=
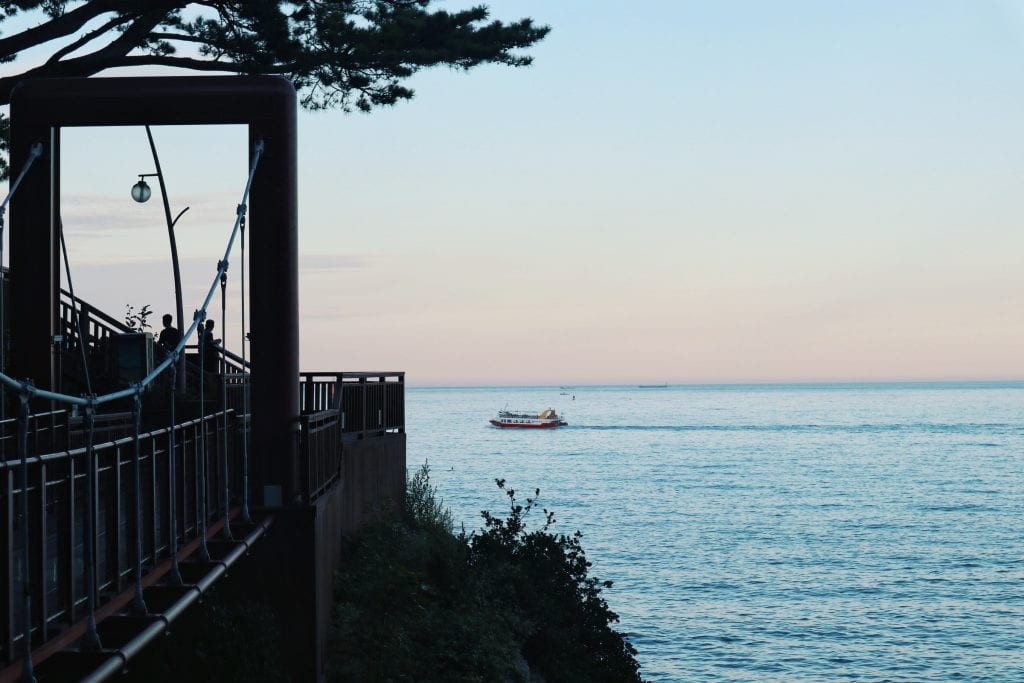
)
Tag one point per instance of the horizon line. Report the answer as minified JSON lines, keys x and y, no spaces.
{"x":880,"y":382}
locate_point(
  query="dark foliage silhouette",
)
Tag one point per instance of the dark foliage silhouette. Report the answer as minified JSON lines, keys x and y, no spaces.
{"x":417,"y":602}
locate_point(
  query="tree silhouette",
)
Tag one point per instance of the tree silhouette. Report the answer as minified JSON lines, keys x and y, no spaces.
{"x":344,"y":54}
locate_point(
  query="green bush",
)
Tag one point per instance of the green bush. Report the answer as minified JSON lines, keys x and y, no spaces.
{"x":415,"y":602}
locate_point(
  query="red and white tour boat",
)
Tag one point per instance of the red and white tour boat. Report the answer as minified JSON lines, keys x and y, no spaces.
{"x":546,"y":419}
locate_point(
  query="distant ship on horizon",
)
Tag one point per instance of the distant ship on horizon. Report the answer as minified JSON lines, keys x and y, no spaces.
{"x":653,"y":386}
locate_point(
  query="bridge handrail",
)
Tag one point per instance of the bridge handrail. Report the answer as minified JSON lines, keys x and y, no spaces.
{"x":340,"y":406}
{"x":44,"y":431}
{"x":231,"y":360}
{"x":55,"y":477}
{"x":236,"y":359}
{"x":319,"y":452}
{"x":368,"y":402}
{"x":111,"y":324}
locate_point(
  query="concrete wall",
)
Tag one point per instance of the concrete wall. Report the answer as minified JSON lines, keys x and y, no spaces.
{"x":298,"y":559}
{"x":327,"y":557}
{"x":372,"y":475}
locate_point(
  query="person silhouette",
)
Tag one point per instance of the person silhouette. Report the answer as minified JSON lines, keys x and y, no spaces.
{"x":211,"y":350}
{"x":170,"y":335}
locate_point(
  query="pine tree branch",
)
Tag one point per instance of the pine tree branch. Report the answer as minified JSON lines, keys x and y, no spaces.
{"x":64,"y":25}
{"x":184,"y":37}
{"x":87,"y":38}
{"x":349,"y":54}
{"x":181,"y":63}
{"x":94,"y":62}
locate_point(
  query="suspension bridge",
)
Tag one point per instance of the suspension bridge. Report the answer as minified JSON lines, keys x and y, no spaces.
{"x":134,"y":479}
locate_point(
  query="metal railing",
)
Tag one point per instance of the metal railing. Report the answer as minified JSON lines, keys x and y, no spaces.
{"x":338,"y":406}
{"x":368,"y":402}
{"x":82,"y":520}
{"x":97,"y":326}
{"x":98,"y":329}
{"x":47,"y":432}
{"x":320,"y":453}
{"x":56,"y":494}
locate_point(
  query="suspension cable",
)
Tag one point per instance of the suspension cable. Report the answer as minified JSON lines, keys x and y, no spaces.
{"x":244,"y":515}
{"x":91,"y":639}
{"x":204,"y":551}
{"x":173,"y":355}
{"x":34,"y":152}
{"x":174,"y":575}
{"x":26,"y":575}
{"x":26,"y":392}
{"x":138,"y":601}
{"x":225,"y":531}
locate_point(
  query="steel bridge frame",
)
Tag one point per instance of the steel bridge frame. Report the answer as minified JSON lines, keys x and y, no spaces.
{"x":267,"y":104}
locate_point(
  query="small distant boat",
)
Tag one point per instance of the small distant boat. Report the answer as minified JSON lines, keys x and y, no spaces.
{"x":544,"y":420}
{"x":653,"y":386}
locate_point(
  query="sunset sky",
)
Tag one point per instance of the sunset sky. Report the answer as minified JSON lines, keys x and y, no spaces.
{"x":727,"y":191}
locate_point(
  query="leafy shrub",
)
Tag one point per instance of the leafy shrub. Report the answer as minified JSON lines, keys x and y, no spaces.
{"x":422,"y":508}
{"x":547,"y":577}
{"x":414,"y":602}
{"x":137,"y":319}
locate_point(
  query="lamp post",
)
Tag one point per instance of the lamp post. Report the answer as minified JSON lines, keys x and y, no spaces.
{"x":141,"y":192}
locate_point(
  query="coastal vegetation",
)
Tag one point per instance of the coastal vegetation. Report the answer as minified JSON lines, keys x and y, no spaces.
{"x":417,"y":601}
{"x":510,"y":602}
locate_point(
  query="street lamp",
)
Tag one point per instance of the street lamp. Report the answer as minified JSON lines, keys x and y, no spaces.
{"x":142,"y":192}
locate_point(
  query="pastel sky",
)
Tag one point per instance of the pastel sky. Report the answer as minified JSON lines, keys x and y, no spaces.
{"x":727,"y":191}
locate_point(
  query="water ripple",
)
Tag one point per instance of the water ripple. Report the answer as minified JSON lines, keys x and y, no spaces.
{"x":848,"y":533}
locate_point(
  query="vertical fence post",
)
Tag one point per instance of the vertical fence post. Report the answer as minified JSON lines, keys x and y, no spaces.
{"x":138,"y":602}
{"x":225,"y":531}
{"x":27,"y":674}
{"x":308,"y":396}
{"x":363,"y":402}
{"x":84,"y":316}
{"x":244,"y":515}
{"x":174,"y":575}
{"x":204,"y":551}
{"x":304,"y":457}
{"x":91,"y":640}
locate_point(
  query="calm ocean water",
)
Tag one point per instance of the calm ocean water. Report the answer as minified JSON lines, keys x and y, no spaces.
{"x":782,"y":533}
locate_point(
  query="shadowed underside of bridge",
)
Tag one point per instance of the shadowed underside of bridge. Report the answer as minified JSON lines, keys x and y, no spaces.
{"x":119,"y":512}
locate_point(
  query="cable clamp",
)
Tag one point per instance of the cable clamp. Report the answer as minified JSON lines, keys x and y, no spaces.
{"x":26,"y":389}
